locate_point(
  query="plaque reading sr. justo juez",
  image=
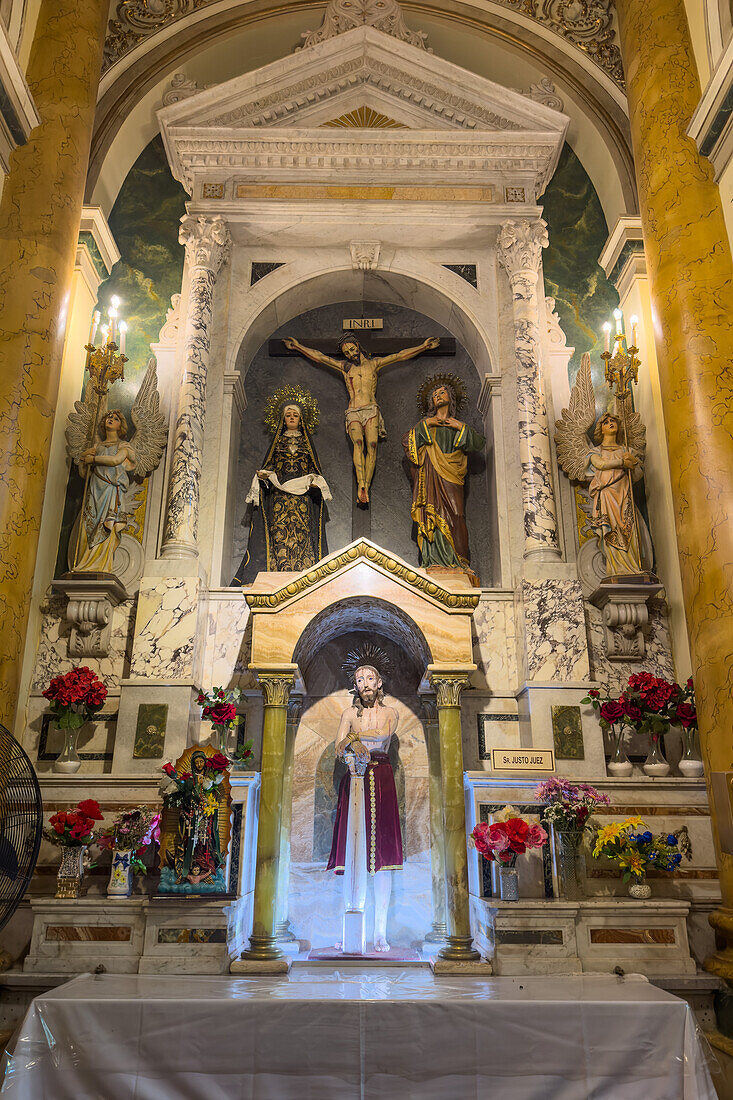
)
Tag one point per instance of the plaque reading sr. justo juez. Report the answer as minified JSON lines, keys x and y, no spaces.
{"x":522,"y":760}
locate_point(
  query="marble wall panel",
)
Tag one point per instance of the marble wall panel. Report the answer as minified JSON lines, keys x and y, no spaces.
{"x":226,"y":644}
{"x":495,"y":644}
{"x":52,"y":656}
{"x":554,"y":630}
{"x":166,"y":628}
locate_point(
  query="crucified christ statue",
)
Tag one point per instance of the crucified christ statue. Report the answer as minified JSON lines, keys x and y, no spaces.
{"x":364,"y":423}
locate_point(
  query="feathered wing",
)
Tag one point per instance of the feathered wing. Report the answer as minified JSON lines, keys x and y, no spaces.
{"x":571,"y":431}
{"x":81,"y":424}
{"x":636,"y":431}
{"x":151,"y":432}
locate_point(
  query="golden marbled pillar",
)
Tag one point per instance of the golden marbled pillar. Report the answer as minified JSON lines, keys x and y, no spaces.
{"x":435,"y":806}
{"x":691,"y":280}
{"x":40,"y":211}
{"x":448,"y":686}
{"x":282,"y":927}
{"x":276,"y":684}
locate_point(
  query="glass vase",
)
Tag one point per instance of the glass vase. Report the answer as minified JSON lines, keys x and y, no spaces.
{"x":220,"y":738}
{"x":120,"y":877}
{"x":67,"y":762}
{"x":640,"y":889}
{"x":508,"y":884}
{"x":656,"y":764}
{"x":690,"y":765}
{"x":571,"y":863}
{"x":71,"y":871}
{"x":619,"y":765}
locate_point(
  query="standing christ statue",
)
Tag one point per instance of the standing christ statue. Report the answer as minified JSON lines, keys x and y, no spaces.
{"x":364,"y":423}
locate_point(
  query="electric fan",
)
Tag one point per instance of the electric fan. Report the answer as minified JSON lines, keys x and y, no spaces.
{"x":21,"y":822}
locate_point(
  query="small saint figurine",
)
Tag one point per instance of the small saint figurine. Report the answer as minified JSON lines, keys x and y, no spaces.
{"x":364,"y":735}
{"x":610,"y":467}
{"x":97,"y":441}
{"x":436,"y":450}
{"x":193,"y":850}
{"x":364,"y":422}
{"x":288,"y":491}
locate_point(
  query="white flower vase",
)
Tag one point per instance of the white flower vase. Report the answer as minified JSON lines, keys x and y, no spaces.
{"x":690,"y":765}
{"x":656,"y":765}
{"x":619,"y":766}
{"x":120,"y":878}
{"x":68,"y":761}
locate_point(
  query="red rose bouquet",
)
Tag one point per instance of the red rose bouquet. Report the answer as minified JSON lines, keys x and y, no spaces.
{"x":219,"y":706}
{"x":507,"y":837}
{"x":74,"y":828}
{"x":75,"y":697}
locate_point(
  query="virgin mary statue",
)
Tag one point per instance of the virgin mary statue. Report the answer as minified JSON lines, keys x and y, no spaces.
{"x":288,"y":491}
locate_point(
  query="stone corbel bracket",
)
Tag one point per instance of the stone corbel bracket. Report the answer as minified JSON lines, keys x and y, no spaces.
{"x":364,"y":255}
{"x":624,"y":607}
{"x":92,"y":598}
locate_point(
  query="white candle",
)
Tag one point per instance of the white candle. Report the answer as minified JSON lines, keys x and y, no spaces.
{"x":123,"y":334}
{"x":634,"y":321}
{"x":93,"y":329}
{"x":607,"y":335}
{"x":619,"y":321}
{"x":112,"y":313}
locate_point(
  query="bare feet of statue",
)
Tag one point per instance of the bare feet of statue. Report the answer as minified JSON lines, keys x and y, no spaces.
{"x":380,"y":944}
{"x":363,"y":495}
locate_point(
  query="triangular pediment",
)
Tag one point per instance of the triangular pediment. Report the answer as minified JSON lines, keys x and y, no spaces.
{"x":363,"y":72}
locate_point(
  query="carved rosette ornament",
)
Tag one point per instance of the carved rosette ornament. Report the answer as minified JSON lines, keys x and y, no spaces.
{"x":208,"y":244}
{"x":519,"y":251}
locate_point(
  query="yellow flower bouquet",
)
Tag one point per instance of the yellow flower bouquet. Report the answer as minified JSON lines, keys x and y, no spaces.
{"x":636,"y":850}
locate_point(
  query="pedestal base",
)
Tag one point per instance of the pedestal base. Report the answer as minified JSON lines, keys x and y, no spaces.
{"x":260,"y":966}
{"x":354,"y":932}
{"x":443,"y":967}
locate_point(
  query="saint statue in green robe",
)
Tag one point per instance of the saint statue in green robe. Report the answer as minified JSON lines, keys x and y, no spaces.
{"x":436,"y":449}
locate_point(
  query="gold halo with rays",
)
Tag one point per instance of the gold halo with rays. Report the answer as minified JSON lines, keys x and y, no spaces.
{"x":367,"y":654}
{"x":451,"y":381}
{"x":292,"y":395}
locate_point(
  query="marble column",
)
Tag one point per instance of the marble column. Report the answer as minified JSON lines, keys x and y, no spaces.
{"x":283,"y":931}
{"x":691,"y":282}
{"x":519,"y":249}
{"x":439,"y":929}
{"x":448,"y":685}
{"x":40,"y":212}
{"x":263,"y":954}
{"x":208,"y":244}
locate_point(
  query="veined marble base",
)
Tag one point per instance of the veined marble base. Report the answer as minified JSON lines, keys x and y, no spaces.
{"x":592,"y":936}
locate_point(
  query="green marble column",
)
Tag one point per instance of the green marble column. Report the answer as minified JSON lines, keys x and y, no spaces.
{"x":439,"y":929}
{"x":40,"y":211}
{"x":282,"y":928}
{"x":448,"y":686}
{"x":263,"y":951}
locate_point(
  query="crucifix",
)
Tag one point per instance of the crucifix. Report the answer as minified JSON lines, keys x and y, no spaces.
{"x":359,"y":369}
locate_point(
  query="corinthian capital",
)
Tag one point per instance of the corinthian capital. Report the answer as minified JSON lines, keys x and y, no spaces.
{"x":207,"y":241}
{"x":276,"y":684}
{"x":519,"y":248}
{"x":448,"y":687}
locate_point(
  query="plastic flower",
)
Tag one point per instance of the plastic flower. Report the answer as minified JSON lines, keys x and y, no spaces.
{"x":90,"y":807}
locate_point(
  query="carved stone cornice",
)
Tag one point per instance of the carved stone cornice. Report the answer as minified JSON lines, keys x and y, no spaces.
{"x":448,"y":685}
{"x":276,"y":684}
{"x":207,"y":240}
{"x":519,"y":249}
{"x":271,"y":601}
{"x":343,"y":15}
{"x":588,"y":25}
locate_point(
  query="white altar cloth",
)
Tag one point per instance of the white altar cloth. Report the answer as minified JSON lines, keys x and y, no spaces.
{"x":371,"y":1034}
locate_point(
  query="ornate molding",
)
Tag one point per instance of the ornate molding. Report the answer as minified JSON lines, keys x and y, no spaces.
{"x":169,"y":332}
{"x":207,"y":240}
{"x":275,"y":684}
{"x":364,"y":255}
{"x":624,"y":611}
{"x":89,"y":611}
{"x":448,"y":687}
{"x":519,"y":249}
{"x":343,"y":15}
{"x":182,"y":88}
{"x":554,"y":330}
{"x":543,"y":92}
{"x":457,"y":110}
{"x":135,"y":20}
{"x":324,"y":569}
{"x":295,"y":708}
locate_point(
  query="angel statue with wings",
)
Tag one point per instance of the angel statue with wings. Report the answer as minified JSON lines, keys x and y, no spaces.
{"x":97,"y":441}
{"x":611,"y":466}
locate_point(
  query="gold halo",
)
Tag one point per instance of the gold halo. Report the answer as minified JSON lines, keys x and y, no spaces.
{"x":367,"y":654}
{"x":450,"y":381}
{"x":292,"y":395}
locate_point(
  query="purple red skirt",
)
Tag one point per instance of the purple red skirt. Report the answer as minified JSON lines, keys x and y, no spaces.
{"x":383,"y":835}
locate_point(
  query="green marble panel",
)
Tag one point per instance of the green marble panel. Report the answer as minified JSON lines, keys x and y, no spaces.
{"x":152,"y":719}
{"x":567,"y":733}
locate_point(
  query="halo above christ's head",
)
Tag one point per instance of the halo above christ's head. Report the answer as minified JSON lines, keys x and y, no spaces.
{"x":364,"y":655}
{"x":451,"y":382}
{"x":292,"y":395}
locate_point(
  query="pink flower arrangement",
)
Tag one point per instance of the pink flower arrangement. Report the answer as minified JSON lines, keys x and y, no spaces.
{"x":503,"y":840}
{"x":569,"y":805}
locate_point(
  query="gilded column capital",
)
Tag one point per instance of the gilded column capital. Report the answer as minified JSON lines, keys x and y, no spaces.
{"x":276,"y":683}
{"x":295,"y":708}
{"x":519,"y":250}
{"x":207,"y":240}
{"x":429,"y":705}
{"x":448,"y":684}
